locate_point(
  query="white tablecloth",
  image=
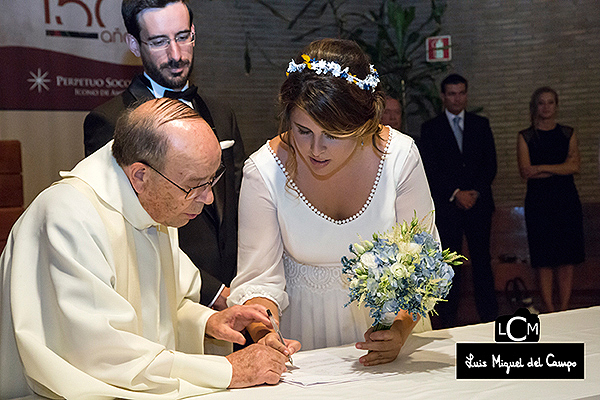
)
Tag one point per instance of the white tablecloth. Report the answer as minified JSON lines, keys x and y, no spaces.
{"x":425,"y":368}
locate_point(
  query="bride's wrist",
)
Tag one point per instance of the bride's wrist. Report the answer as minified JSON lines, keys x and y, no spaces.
{"x":258,"y":330}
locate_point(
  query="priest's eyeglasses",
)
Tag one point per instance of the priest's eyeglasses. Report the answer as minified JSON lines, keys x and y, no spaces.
{"x":162,"y":42}
{"x":196,"y":191}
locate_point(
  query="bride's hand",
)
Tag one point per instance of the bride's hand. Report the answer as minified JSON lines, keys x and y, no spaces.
{"x":383,"y":346}
{"x":272,"y":340}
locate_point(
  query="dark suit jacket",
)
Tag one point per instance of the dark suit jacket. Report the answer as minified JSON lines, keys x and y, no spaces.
{"x":210,"y":240}
{"x":448,"y":169}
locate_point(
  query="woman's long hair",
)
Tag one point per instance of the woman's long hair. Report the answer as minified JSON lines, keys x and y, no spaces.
{"x":535,"y":98}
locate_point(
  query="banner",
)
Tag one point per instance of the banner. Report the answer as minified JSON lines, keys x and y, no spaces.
{"x":62,"y":54}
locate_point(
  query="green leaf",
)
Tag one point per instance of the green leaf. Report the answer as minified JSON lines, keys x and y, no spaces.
{"x":307,"y":33}
{"x":322,"y":9}
{"x":396,"y":18}
{"x":272,"y":9}
{"x":300,"y":14}
{"x":388,"y":34}
{"x":413,"y":37}
{"x":247,"y":59}
{"x":437,"y":11}
{"x":409,"y":17}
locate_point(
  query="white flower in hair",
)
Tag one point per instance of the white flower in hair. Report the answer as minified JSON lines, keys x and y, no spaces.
{"x":293,"y":67}
{"x":320,"y":67}
{"x":323,"y":67}
{"x":336,"y":70}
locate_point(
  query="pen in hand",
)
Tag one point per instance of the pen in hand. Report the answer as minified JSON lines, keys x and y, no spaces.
{"x":276,"y":327}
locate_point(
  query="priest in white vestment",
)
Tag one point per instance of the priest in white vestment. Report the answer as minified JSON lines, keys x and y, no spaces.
{"x":97,"y":301}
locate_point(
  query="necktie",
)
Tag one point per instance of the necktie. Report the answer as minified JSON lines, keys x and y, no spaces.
{"x":458,"y":132}
{"x":187,"y":94}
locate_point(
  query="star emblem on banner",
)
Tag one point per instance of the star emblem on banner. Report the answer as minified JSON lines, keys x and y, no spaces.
{"x":39,"y":81}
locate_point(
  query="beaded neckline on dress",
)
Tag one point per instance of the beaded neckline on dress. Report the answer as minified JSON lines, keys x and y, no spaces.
{"x":320,"y":213}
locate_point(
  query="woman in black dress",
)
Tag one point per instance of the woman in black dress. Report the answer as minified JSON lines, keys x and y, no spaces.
{"x":548,"y":157}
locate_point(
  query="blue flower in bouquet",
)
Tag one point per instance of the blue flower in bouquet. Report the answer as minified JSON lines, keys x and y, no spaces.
{"x":402,"y":269}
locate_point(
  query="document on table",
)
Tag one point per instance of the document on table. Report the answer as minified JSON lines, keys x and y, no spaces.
{"x":326,"y":367}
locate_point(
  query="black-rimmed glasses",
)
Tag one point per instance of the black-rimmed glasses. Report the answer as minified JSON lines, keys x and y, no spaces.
{"x":162,"y":43}
{"x":196,"y":191}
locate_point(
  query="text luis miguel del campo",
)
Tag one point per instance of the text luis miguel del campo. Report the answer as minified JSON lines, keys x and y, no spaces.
{"x":518,"y":355}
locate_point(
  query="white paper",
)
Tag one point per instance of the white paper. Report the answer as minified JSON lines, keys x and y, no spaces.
{"x":327,"y":367}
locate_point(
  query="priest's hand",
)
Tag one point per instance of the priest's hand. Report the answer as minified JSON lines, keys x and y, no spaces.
{"x":227,"y":324}
{"x":255,"y":365}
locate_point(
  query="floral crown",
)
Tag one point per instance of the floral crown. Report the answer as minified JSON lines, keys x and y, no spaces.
{"x":324,"y":67}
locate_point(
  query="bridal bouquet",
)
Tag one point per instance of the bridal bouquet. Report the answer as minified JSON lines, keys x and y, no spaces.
{"x":403,"y":268}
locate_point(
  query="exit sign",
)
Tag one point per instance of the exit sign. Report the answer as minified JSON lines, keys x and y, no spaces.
{"x":438,"y":48}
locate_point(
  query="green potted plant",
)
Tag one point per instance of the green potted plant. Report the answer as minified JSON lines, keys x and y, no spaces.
{"x":395,"y":43}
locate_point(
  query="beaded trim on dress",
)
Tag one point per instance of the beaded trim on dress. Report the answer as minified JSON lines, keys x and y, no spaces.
{"x":317,"y":211}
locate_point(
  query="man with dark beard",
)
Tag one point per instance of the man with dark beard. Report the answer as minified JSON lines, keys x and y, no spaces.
{"x":162,"y":34}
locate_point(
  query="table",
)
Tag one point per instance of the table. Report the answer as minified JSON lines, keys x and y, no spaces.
{"x":425,"y":368}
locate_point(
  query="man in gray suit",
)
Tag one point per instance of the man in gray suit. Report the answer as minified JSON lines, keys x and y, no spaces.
{"x":162,"y":34}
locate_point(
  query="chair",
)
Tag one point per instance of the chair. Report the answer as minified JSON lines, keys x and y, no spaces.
{"x":11,"y":187}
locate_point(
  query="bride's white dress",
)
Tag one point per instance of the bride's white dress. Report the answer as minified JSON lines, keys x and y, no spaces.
{"x":290,"y":252}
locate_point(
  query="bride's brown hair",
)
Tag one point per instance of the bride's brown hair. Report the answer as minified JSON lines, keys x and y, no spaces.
{"x":341,"y":108}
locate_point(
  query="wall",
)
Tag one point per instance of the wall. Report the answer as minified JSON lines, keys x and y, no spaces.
{"x":506,"y":48}
{"x":51,"y":141}
{"x":510,"y":48}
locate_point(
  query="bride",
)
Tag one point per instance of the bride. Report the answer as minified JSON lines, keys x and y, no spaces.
{"x":333,"y":175}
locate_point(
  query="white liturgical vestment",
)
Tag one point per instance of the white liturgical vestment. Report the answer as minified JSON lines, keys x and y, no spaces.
{"x":98,"y":301}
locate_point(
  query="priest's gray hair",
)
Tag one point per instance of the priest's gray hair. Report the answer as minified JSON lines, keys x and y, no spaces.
{"x":138,"y":137}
